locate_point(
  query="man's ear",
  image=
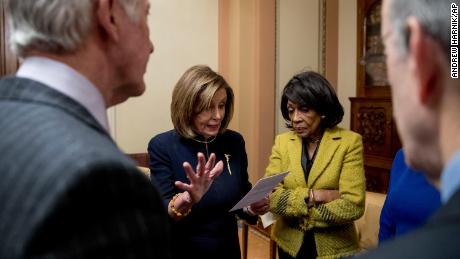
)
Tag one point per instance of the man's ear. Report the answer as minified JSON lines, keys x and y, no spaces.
{"x":105,"y":15}
{"x":423,"y":61}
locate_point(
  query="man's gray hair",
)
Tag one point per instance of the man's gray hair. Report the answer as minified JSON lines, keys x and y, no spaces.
{"x":55,"y":26}
{"x":434,"y":16}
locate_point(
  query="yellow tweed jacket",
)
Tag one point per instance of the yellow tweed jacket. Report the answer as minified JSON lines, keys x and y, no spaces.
{"x":338,"y":165}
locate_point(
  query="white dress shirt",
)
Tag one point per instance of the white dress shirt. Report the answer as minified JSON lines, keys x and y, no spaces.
{"x":450,"y":179}
{"x":69,"y":82}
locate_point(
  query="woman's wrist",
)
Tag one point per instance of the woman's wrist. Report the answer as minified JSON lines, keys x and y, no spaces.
{"x":185,"y":200}
{"x":180,"y":205}
{"x":311,"y":199}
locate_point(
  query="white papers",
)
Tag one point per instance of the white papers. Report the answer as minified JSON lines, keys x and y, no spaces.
{"x":268,"y":219}
{"x":261,"y":189}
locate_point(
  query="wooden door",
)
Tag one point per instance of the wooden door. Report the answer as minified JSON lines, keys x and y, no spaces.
{"x":8,"y":61}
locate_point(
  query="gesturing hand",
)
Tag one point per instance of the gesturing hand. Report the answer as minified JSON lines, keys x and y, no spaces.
{"x":202,"y":178}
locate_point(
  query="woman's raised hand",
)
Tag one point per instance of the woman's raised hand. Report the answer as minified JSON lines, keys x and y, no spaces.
{"x":202,"y":178}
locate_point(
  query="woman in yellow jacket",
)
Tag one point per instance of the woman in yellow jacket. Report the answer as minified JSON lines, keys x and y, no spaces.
{"x":324,"y":192}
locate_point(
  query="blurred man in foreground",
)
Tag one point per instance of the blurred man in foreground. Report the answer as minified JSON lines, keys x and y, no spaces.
{"x":66,"y":190}
{"x":426,"y":97}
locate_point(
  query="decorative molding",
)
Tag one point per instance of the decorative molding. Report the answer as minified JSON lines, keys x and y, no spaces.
{"x":328,"y":36}
{"x":322,"y":37}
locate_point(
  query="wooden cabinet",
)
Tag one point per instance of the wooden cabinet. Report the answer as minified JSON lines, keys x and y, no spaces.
{"x":371,"y":110}
{"x":371,"y":69}
{"x":372,"y":118}
{"x":8,"y":61}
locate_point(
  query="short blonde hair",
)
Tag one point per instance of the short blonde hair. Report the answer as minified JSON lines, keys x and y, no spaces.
{"x":193,"y":94}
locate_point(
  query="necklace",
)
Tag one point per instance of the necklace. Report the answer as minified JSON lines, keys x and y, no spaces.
{"x":314,"y":140}
{"x":205,"y":141}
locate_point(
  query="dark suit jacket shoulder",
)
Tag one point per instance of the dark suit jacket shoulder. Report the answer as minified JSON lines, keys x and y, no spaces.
{"x":67,"y":191}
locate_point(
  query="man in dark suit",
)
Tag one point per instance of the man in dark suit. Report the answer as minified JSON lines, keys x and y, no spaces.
{"x":66,"y":190}
{"x":422,"y":64}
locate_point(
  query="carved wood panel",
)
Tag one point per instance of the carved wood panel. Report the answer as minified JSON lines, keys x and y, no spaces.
{"x":372,"y":118}
{"x":373,"y":122}
{"x":377,"y":179}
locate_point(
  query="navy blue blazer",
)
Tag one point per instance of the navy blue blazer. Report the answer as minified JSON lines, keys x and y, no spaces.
{"x":209,"y":231}
{"x":66,"y":190}
{"x":410,"y":201}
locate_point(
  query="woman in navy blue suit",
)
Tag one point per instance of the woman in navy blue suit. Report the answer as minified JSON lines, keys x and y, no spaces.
{"x":410,"y":201}
{"x":199,"y":202}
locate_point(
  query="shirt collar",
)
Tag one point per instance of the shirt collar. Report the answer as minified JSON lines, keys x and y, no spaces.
{"x":69,"y":82}
{"x":450,"y":178}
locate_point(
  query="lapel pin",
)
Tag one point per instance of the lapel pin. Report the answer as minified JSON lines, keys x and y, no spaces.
{"x":227,"y":157}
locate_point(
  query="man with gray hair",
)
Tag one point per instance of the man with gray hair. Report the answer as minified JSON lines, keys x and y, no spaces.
{"x":66,"y":190}
{"x":421,"y":45}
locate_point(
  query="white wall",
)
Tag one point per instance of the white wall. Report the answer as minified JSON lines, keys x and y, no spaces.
{"x":297,"y":44}
{"x":298,"y":39}
{"x":346,"y":82}
{"x":184,"y":33}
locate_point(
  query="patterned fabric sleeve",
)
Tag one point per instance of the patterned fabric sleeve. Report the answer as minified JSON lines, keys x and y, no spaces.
{"x":350,"y":206}
{"x":283,"y":201}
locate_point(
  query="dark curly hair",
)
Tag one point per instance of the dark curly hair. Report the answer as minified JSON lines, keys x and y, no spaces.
{"x":310,"y":89}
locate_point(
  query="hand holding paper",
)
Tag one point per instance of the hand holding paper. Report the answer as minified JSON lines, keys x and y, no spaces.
{"x":261,"y":189}
{"x":260,"y":207}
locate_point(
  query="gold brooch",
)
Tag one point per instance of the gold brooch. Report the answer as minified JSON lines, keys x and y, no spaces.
{"x":227,"y":157}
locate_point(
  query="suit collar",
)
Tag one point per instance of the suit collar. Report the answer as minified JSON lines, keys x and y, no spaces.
{"x":22,"y":89}
{"x":66,"y":80}
{"x":449,"y":212}
{"x":450,"y":182}
{"x":327,"y":147}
